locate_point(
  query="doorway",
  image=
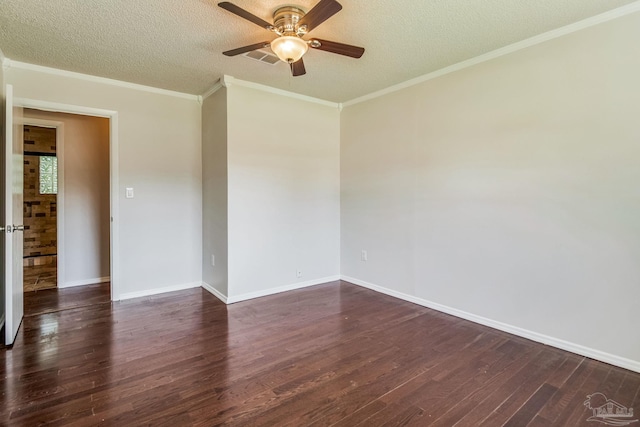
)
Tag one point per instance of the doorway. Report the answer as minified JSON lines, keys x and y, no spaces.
{"x":78,"y":255}
{"x":13,"y":212}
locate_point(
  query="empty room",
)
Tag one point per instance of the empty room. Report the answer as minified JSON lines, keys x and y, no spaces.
{"x":320,"y":213}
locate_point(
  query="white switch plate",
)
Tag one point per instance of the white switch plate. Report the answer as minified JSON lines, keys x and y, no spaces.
{"x":364,"y":256}
{"x":298,"y":273}
{"x":213,"y":260}
{"x":129,"y":193}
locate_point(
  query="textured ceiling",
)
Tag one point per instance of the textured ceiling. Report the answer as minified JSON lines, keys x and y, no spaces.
{"x":177,"y":44}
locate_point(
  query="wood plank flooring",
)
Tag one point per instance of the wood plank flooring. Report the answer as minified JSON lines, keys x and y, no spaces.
{"x":51,"y":300}
{"x":333,"y":354}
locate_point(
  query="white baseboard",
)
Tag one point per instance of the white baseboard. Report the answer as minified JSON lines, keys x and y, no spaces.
{"x":156,"y":291}
{"x":244,"y":297}
{"x":84,"y":282}
{"x":216,"y":293}
{"x":581,"y":350}
{"x":272,"y":291}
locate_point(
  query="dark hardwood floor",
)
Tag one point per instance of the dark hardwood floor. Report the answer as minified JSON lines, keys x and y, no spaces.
{"x":51,"y":300}
{"x":333,"y":354}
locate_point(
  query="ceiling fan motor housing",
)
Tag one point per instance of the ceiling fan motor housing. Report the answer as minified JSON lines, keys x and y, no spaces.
{"x":286,"y":20}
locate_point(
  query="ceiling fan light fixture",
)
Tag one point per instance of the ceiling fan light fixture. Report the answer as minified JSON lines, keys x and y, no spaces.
{"x":291,"y":24}
{"x":289,"y":48}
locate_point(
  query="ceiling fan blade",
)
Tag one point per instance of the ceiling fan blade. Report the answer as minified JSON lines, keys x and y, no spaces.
{"x":322,"y":11}
{"x":297,"y":68}
{"x":244,"y":14}
{"x":244,"y":49}
{"x":339,"y":48}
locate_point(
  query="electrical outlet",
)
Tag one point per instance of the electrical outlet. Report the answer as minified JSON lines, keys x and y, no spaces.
{"x":298,"y":273}
{"x":364,"y":256}
{"x":213,"y":260}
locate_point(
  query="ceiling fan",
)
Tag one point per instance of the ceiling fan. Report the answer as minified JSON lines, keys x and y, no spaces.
{"x":291,"y":24}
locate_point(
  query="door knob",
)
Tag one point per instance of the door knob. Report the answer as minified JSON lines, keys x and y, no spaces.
{"x":18,"y":228}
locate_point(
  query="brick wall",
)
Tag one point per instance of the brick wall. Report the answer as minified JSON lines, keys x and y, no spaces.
{"x":40,"y":213}
{"x":39,"y":140}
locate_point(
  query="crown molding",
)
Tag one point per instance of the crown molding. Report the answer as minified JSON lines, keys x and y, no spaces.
{"x":226,"y":81}
{"x":216,"y":87}
{"x":9,"y":63}
{"x":229,"y":81}
{"x":535,"y":40}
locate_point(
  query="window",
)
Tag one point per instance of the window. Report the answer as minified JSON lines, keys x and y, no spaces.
{"x":48,"y":175}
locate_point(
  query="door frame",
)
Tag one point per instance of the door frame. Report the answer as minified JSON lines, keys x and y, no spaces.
{"x":114,"y":235}
{"x":59,"y":127}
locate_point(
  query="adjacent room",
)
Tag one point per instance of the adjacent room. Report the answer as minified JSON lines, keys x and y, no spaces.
{"x":329,"y":213}
{"x":77,"y":255}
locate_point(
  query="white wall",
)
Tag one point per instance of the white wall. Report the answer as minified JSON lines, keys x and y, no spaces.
{"x":284,"y":191}
{"x":508,"y":190}
{"x":86,"y":196}
{"x":160,"y":230}
{"x":214,"y":191}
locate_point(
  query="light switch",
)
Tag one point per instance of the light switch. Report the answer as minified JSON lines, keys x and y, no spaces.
{"x":129,"y":194}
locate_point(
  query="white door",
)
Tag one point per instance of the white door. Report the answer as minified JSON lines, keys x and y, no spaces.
{"x":14,"y":235}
